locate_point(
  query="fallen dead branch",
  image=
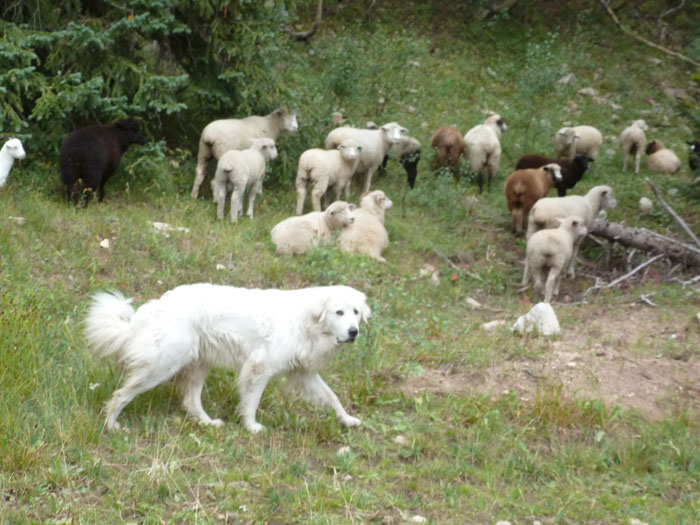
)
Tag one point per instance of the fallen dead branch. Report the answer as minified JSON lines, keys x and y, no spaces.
{"x":629,"y":274}
{"x":673,"y":214}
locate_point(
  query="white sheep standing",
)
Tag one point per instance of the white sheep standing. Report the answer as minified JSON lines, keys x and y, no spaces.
{"x":303,"y":232}
{"x":585,"y":140}
{"x":221,"y":136}
{"x":546,"y":213}
{"x":549,"y":251}
{"x":632,"y":141}
{"x":326,"y":170}
{"x":482,"y":146}
{"x":367,"y":235}
{"x":662,"y":159}
{"x":11,"y":150}
{"x":375,"y":144}
{"x":241,"y":170}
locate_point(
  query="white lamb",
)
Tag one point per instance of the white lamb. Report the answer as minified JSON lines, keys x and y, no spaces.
{"x":367,"y":235}
{"x":326,"y":170}
{"x":221,"y":136}
{"x":375,"y":144}
{"x":11,"y":150}
{"x":549,"y":251}
{"x":633,"y":140}
{"x":482,"y":146}
{"x":241,"y":170}
{"x":662,"y":159}
{"x":585,"y":140}
{"x":546,"y":212}
{"x":301,"y":233}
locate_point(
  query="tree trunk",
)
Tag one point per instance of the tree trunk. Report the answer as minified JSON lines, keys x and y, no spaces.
{"x":648,"y":241}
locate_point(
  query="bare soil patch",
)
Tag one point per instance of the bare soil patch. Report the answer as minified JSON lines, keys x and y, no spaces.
{"x":635,"y":358}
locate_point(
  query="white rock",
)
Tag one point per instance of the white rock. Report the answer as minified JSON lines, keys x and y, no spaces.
{"x":18,"y":220}
{"x":567,"y":79}
{"x":418,"y":519}
{"x":435,"y":279}
{"x":504,"y":522}
{"x":645,"y":205}
{"x":400,"y":440}
{"x":164,"y":228}
{"x":588,"y":91}
{"x":343,"y":450}
{"x":220,"y":267}
{"x":635,"y":521}
{"x":492,"y":325}
{"x":105,"y":243}
{"x":427,"y":270}
{"x":541,"y":318}
{"x":473,"y":303}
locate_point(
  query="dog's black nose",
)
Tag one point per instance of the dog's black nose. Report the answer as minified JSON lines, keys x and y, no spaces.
{"x":353,"y":333}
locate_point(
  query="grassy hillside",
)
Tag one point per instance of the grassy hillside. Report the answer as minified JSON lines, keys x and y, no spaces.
{"x":460,"y":425}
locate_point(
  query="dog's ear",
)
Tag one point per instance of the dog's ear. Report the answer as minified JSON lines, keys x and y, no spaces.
{"x":317,"y":313}
{"x":365,"y":311}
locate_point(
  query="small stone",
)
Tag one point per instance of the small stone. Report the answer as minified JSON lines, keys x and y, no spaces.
{"x":473,"y":303}
{"x":343,"y":450}
{"x":435,"y":278}
{"x":571,"y":364}
{"x":411,"y":109}
{"x":588,"y":91}
{"x":18,"y":220}
{"x":400,"y":440}
{"x":504,"y":522}
{"x":492,"y":325}
{"x":541,"y":318}
{"x":104,"y":243}
{"x":567,"y":79}
{"x":645,"y":205}
{"x":635,"y":521}
{"x":418,"y":519}
{"x":220,"y":267}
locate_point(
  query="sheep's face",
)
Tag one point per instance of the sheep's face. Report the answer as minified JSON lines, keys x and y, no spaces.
{"x":607,"y":199}
{"x":266,"y":147}
{"x":554,"y":172}
{"x":498,"y":120}
{"x":694,"y":146}
{"x":393,"y":132}
{"x":15,"y":149}
{"x":641,"y":125}
{"x":583,"y":160}
{"x":654,"y":146}
{"x":290,"y":122}
{"x":350,"y":149}
{"x":376,"y":200}
{"x":131,"y":129}
{"x":340,"y":214}
{"x":568,"y":136}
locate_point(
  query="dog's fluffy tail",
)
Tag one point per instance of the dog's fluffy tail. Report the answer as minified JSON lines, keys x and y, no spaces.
{"x":107,"y":326}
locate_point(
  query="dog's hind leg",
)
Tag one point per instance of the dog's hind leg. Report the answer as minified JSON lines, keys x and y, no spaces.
{"x":190,"y":382}
{"x":319,"y":392}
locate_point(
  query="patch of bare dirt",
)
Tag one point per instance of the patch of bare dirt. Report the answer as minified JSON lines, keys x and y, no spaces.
{"x":619,"y":357}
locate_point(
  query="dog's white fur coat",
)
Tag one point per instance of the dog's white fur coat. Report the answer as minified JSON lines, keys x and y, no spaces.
{"x":259,"y":332}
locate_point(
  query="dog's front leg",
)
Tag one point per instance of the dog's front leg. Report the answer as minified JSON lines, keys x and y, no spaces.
{"x":190,"y":382}
{"x":319,"y":392}
{"x":252,"y":380}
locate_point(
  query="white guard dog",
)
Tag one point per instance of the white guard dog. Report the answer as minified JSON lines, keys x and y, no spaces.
{"x":259,"y":332}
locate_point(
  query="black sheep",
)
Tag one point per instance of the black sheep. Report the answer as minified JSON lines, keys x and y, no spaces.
{"x":92,"y":155}
{"x":694,"y":155}
{"x":571,"y":169}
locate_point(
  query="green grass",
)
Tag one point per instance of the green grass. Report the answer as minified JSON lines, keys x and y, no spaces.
{"x":467,"y":457}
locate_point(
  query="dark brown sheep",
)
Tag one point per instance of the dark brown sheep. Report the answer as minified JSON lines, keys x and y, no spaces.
{"x":572,"y":170}
{"x":450,"y":145}
{"x":92,"y":155}
{"x":525,"y":187}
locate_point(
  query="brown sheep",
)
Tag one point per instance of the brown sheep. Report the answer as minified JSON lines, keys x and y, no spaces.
{"x":450,"y":145}
{"x":525,"y":187}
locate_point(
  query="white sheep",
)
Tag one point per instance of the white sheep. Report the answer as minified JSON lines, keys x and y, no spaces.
{"x":11,"y":150}
{"x":546,"y":212}
{"x":549,"y":251}
{"x":633,"y":140}
{"x":301,"y":233}
{"x":221,"y":136}
{"x":662,"y":159}
{"x":375,"y":144}
{"x":585,"y":140}
{"x":482,"y":146}
{"x":241,"y":170}
{"x":326,"y":170}
{"x":367,"y":235}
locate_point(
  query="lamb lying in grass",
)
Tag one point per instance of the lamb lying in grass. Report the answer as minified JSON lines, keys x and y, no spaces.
{"x":548,"y":252}
{"x":367,"y":234}
{"x":301,"y":233}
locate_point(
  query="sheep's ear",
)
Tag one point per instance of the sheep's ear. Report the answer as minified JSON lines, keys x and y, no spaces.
{"x":404,"y":130}
{"x":559,"y":220}
{"x":351,"y":206}
{"x":279,"y":112}
{"x":341,"y":146}
{"x":561,"y":133}
{"x":359,"y":148}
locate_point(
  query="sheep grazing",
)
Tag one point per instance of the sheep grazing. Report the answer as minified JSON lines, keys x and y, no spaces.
{"x":326,"y":170}
{"x":585,"y":140}
{"x":662,"y":159}
{"x":407,"y":150}
{"x":367,"y":235}
{"x":524,"y":187}
{"x":241,"y":170}
{"x":694,"y":155}
{"x":92,"y":155}
{"x":549,"y":251}
{"x":483,"y":148}
{"x":301,"y":233}
{"x":546,"y":212}
{"x":449,"y":143}
{"x":633,"y":140}
{"x":571,"y":170}
{"x":375,"y":144}
{"x":11,"y":150}
{"x":221,"y":136}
